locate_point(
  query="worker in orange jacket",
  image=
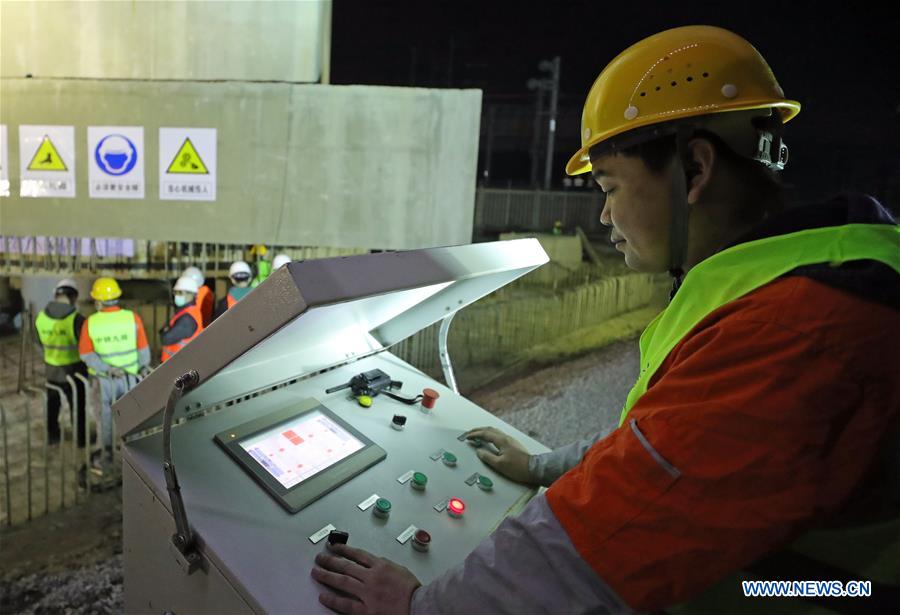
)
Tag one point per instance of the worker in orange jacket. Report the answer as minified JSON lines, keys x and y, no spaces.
{"x":760,"y":437}
{"x":187,"y":321}
{"x":205,"y":300}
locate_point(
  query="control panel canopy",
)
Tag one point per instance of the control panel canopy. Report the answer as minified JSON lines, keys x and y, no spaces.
{"x":313,"y":315}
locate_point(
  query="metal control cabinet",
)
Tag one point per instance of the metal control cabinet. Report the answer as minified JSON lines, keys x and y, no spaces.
{"x":311,"y":326}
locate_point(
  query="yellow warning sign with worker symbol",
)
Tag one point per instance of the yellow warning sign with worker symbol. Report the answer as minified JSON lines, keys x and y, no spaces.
{"x":47,"y":158}
{"x":48,"y":161}
{"x":187,"y":160}
{"x":187,"y":164}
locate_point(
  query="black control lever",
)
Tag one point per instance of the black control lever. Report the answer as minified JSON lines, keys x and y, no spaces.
{"x":369,"y":383}
{"x":373,"y":382}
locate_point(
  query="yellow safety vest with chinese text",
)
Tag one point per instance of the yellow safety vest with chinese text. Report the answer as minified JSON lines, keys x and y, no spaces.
{"x":114,"y":336}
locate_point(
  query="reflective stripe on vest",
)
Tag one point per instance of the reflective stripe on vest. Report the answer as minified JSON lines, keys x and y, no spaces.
{"x":741,"y":269}
{"x":114,"y":335}
{"x":57,"y":335}
{"x":193,"y":311}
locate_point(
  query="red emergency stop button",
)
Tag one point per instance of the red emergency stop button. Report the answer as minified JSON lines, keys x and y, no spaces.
{"x":429,"y":397}
{"x":456,"y":507}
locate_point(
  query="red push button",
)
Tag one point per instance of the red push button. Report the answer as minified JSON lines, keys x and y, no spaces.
{"x":421,"y":540}
{"x":456,"y":507}
{"x":429,"y":396}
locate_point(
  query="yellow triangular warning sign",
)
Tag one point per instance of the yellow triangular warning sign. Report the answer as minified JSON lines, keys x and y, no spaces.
{"x":187,"y":160}
{"x":46,"y":158}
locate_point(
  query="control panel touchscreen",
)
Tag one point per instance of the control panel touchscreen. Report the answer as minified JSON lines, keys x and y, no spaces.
{"x":300,"y":453}
{"x":301,"y":447}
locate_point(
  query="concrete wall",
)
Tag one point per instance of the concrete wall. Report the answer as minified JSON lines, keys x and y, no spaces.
{"x":298,"y":164}
{"x":262,"y":41}
{"x":340,"y":166}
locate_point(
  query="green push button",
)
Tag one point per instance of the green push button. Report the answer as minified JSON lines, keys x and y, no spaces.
{"x":419,"y":481}
{"x":382,"y":507}
{"x":364,"y":400}
{"x":449,"y":458}
{"x":485,"y":483}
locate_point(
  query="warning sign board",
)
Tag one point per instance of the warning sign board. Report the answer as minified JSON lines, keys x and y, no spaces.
{"x":187,"y":164}
{"x":46,"y":158}
{"x":4,"y":162}
{"x":116,"y":162}
{"x":47,"y":161}
{"x":187,"y":160}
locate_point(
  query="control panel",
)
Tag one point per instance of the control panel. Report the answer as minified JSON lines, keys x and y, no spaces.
{"x":425,"y":504}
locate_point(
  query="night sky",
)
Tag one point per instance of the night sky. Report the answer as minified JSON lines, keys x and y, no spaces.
{"x":843,"y":65}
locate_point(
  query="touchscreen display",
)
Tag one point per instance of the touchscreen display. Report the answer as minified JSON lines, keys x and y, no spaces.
{"x":297,"y":449}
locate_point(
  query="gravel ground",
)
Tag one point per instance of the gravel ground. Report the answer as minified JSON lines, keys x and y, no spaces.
{"x":92,"y":589}
{"x":563,"y":403}
{"x":70,"y":562}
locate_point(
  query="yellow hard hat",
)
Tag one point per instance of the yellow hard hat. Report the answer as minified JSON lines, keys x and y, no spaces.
{"x":105,"y":289}
{"x":676,"y":74}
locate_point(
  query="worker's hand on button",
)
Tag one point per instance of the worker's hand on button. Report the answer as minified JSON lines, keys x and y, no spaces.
{"x":372,"y":585}
{"x":116,"y":372}
{"x":512,"y":460}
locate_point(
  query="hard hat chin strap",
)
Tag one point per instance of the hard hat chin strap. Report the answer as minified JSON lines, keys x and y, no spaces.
{"x":678,"y":226}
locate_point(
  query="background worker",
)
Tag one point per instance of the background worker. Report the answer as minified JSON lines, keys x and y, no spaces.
{"x":259,"y":254}
{"x":766,"y":410}
{"x":113,"y":345}
{"x":186,"y":323}
{"x":279,"y":261}
{"x":205,"y":300}
{"x":58,"y":327}
{"x":239,"y":273}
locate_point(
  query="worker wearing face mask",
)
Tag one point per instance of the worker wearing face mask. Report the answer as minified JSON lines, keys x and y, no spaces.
{"x":239,"y":273}
{"x":204,"y":294}
{"x":187,"y":322}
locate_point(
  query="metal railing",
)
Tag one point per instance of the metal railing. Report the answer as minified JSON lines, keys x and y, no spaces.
{"x":39,"y":477}
{"x":497,"y":330}
{"x":498,"y":209}
{"x":143,"y":259}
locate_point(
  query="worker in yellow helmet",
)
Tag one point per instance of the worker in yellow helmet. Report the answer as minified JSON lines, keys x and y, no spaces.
{"x":767,"y":402}
{"x":113,"y":345}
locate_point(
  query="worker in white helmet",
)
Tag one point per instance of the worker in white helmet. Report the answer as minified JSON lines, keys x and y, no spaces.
{"x":239,"y":273}
{"x":187,"y":322}
{"x":58,"y":327}
{"x":205,"y":299}
{"x":278,"y":261}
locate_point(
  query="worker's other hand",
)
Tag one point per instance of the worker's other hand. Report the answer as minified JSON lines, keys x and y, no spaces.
{"x":145,"y":371}
{"x":369,"y":585}
{"x":116,"y":372}
{"x":512,"y":459}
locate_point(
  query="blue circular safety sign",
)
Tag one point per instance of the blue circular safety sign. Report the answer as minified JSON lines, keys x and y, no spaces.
{"x":115,"y":155}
